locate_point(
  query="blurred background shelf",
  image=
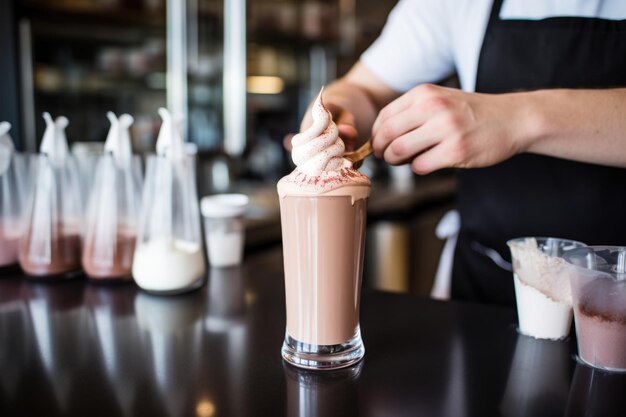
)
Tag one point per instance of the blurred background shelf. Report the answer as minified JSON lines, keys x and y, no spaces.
{"x":82,"y":58}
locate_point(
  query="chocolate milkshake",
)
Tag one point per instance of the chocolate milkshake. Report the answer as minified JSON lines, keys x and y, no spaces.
{"x":322,"y":203}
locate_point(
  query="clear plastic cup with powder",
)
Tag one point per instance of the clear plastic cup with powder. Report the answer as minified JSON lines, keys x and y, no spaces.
{"x":224,"y":228}
{"x":598,"y":279}
{"x":542,"y":289}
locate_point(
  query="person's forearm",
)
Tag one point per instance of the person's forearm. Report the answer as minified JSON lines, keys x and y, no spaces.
{"x":581,"y":125}
{"x":352,"y":98}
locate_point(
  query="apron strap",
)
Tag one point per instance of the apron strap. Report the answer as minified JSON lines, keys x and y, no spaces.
{"x":448,"y":228}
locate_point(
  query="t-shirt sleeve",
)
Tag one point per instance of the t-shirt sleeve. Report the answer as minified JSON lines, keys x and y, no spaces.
{"x":415,"y":46}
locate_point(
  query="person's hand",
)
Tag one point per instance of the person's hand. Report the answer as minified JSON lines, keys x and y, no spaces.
{"x":342,"y":118}
{"x":437,"y":127}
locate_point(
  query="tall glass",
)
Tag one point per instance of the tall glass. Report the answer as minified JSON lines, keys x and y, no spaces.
{"x":323,"y":242}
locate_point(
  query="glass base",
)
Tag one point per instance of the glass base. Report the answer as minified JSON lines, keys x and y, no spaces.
{"x":580,"y":360}
{"x":192,"y":287}
{"x":63,"y":276}
{"x":323,"y":357}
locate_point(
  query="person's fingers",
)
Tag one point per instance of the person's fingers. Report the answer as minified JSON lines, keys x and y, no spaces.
{"x":349,"y":136}
{"x":287,"y":141}
{"x":419,"y":93}
{"x":335,"y":110}
{"x":398,"y":125}
{"x":436,"y":158}
{"x":411,"y":144}
{"x":346,"y":124}
{"x":344,"y":118}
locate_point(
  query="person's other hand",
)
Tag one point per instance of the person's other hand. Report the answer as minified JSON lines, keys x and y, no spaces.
{"x":345,"y":123}
{"x":437,"y":127}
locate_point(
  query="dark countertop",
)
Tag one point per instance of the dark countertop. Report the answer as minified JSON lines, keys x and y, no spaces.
{"x":77,"y":349}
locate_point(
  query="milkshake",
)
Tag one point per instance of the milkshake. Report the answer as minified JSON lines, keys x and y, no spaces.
{"x":599,"y":293}
{"x":542,"y":289}
{"x":323,"y":211}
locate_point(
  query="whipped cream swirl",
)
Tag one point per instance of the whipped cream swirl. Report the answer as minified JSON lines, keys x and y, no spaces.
{"x":319,"y":149}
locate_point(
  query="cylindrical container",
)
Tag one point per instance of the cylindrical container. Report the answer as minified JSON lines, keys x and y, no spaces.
{"x":542,"y":288}
{"x":224,"y":228}
{"x":598,"y":279}
{"x":168,"y":255}
{"x":13,"y":193}
{"x":111,"y":220}
{"x":323,"y":242}
{"x":51,"y":244}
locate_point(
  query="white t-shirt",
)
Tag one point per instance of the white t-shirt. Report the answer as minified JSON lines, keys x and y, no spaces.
{"x":427,"y":40}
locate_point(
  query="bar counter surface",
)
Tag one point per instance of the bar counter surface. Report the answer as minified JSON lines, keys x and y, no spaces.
{"x":78,"y":349}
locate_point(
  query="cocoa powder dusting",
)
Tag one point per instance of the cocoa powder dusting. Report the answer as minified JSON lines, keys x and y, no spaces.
{"x":597,"y":303}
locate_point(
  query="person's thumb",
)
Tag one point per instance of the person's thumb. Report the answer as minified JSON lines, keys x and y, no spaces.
{"x":287,"y":141}
{"x":349,"y":136}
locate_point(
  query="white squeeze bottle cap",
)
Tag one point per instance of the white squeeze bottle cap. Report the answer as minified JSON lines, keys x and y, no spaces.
{"x":54,"y":142}
{"x":118,"y":139}
{"x":170,"y":141}
{"x":6,"y":147}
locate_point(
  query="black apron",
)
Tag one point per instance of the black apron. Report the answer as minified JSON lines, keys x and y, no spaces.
{"x":532,"y":195}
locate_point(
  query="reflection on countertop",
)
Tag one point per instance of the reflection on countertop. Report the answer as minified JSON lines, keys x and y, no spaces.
{"x":75,"y":349}
{"x":538,"y":378}
{"x":595,"y":392}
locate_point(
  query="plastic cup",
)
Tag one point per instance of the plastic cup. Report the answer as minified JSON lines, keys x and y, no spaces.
{"x":224,"y":228}
{"x":542,"y":289}
{"x":598,"y":279}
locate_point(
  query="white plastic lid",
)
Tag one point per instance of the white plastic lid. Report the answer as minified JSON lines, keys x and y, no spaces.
{"x":170,"y":141}
{"x":118,"y":139}
{"x":224,"y":205}
{"x":6,"y":147}
{"x":54,"y":142}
